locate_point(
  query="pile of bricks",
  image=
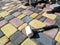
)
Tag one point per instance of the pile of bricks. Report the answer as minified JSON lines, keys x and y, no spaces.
{"x":15,"y":17}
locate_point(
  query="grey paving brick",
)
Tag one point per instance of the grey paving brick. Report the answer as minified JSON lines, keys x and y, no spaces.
{"x":27,"y":12}
{"x":20,"y":9}
{"x":1,"y":18}
{"x":43,"y":39}
{"x":9,"y":17}
{"x":58,"y":21}
{"x":17,"y":38}
{"x":35,"y":10}
{"x":42,"y":18}
{"x":1,"y":33}
{"x":27,"y":19}
{"x":13,"y":12}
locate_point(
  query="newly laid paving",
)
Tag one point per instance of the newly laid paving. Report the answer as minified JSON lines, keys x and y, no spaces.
{"x":15,"y":17}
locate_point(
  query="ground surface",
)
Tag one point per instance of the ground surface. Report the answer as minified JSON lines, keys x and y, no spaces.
{"x":14,"y":17}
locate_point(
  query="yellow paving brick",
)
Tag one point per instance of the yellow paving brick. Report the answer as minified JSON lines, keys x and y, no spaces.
{"x":34,"y":15}
{"x":5,"y":7}
{"x":58,"y":37}
{"x":24,"y":7}
{"x":16,"y":6}
{"x":13,"y":8}
{"x":22,"y":26}
{"x":28,"y":42}
{"x":8,"y":3}
{"x":37,"y":24}
{"x":10,"y":10}
{"x":51,"y":16}
{"x":19,"y":7}
{"x":3,"y":14}
{"x":21,"y":16}
{"x":8,"y":30}
{"x":0,"y":16}
{"x":3,"y":40}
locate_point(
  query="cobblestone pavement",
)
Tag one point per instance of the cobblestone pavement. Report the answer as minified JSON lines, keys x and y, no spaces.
{"x":14,"y":17}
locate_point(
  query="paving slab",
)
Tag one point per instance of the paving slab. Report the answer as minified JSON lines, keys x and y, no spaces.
{"x":58,"y":21}
{"x":34,"y":15}
{"x":27,"y":19}
{"x":20,"y":9}
{"x":49,"y":22}
{"x":4,"y":13}
{"x":3,"y":40}
{"x":17,"y":38}
{"x":28,"y":41}
{"x":16,"y":14}
{"x":51,"y":16}
{"x":42,"y":19}
{"x":43,"y":39}
{"x":9,"y":43}
{"x":1,"y":33}
{"x":9,"y":17}
{"x":38,"y":17}
{"x":58,"y":43}
{"x":16,"y":22}
{"x":8,"y":30}
{"x":1,"y":18}
{"x":51,"y":33}
{"x":35,"y":10}
{"x":22,"y":26}
{"x":27,"y":12}
{"x":37,"y":24}
{"x":57,"y":38}
{"x":3,"y":22}
{"x":21,"y":16}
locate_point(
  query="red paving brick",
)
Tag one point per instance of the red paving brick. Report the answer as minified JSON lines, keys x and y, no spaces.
{"x":51,"y":33}
{"x":24,"y":32}
{"x":27,"y":12}
{"x":58,"y":14}
{"x":9,"y":43}
{"x":49,"y":22}
{"x":38,"y":17}
{"x":16,"y":22}
{"x":3,"y":22}
{"x":16,"y":14}
{"x":58,"y":43}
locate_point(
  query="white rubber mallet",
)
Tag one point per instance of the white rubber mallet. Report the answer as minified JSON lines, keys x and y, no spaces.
{"x":29,"y":32}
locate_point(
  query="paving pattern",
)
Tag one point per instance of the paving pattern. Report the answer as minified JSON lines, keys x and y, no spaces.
{"x":14,"y":17}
